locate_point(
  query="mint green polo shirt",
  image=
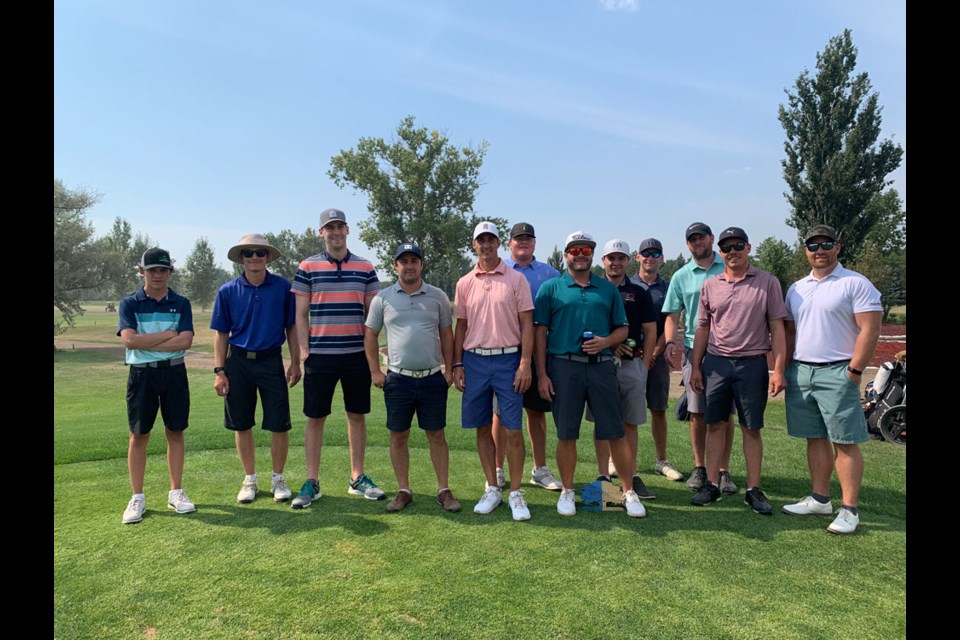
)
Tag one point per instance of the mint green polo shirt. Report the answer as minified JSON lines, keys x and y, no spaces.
{"x":684,"y":293}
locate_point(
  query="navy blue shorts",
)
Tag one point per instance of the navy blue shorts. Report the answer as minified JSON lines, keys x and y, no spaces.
{"x":247,"y":377}
{"x":427,"y":397}
{"x":321,"y":373}
{"x":151,"y":389}
{"x":745,"y":381}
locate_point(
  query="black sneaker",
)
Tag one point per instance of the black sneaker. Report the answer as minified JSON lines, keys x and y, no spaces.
{"x":708,"y":493}
{"x":603,"y":477}
{"x":758,"y":502}
{"x":642,"y":492}
{"x":698,"y":478}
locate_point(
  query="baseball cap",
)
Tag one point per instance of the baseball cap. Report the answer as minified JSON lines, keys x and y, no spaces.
{"x":156,"y":257}
{"x":821,"y":230}
{"x":698,"y":227}
{"x":733,"y":232}
{"x":615,"y":246}
{"x":580,"y":237}
{"x":485,"y":227}
{"x":407,"y":247}
{"x":522,"y":229}
{"x":331,"y":215}
{"x":650,"y":243}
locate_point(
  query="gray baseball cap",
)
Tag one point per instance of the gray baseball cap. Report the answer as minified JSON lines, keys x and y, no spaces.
{"x":332,"y":215}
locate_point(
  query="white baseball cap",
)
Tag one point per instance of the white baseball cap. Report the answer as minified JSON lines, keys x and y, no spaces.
{"x":580,"y":237}
{"x":616,"y":246}
{"x":485,"y":227}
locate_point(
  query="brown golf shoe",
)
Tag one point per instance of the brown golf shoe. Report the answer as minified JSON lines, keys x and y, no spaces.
{"x":446,"y":500}
{"x":400,"y":502}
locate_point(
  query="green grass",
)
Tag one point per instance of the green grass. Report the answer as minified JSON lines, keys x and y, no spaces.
{"x":346,"y":569}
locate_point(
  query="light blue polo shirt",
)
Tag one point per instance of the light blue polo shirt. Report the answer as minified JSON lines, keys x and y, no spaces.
{"x":684,"y":293}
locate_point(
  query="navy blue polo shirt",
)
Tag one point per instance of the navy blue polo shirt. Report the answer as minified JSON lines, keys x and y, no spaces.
{"x":255,"y":317}
{"x":657,"y":291}
{"x":143,"y":314}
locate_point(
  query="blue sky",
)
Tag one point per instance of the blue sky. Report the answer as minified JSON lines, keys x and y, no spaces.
{"x":622,"y":118}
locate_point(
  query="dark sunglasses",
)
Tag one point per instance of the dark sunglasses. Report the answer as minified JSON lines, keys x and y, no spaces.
{"x":249,"y":253}
{"x":826,"y":246}
{"x":651,"y":253}
{"x":733,"y":246}
{"x":584,"y":251}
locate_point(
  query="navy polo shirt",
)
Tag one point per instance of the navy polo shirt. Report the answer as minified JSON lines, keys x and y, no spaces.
{"x":657,"y":291}
{"x":255,"y":317}
{"x":143,"y":314}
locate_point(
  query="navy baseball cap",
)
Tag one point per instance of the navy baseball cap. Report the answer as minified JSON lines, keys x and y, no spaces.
{"x":407,"y":247}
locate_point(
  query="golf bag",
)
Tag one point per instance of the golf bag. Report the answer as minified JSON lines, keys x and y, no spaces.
{"x":885,"y":403}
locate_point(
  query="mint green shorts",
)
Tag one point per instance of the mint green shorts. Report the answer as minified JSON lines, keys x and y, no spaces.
{"x":822,"y":402}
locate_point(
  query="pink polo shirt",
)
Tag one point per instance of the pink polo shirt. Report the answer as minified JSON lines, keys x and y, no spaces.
{"x":738,"y":313}
{"x":490,"y":302}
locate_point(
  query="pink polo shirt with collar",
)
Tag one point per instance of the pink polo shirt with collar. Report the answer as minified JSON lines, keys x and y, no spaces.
{"x":489,"y":301}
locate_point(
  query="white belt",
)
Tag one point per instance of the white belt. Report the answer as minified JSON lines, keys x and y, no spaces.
{"x":413,"y":373}
{"x":494,"y":352}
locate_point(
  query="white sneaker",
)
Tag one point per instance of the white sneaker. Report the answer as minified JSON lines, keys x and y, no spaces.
{"x":278,"y":485}
{"x":542,"y":477}
{"x":134,"y":511}
{"x":567,"y":504}
{"x":845,"y":523}
{"x":631,"y":502}
{"x":808,"y":507}
{"x":488,"y":501}
{"x":179,"y":502}
{"x":612,"y":469}
{"x":667,"y":470}
{"x":248,"y":490}
{"x":518,"y":506}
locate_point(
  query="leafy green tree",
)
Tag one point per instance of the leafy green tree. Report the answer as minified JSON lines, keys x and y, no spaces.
{"x":556,"y":260}
{"x":834,"y":165}
{"x":202,"y":277}
{"x":421,"y":189}
{"x":670,"y":267}
{"x":121,"y":252}
{"x":77,"y":259}
{"x":294,"y":248}
{"x":777,"y":257}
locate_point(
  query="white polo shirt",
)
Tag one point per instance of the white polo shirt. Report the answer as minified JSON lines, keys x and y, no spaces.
{"x":823,"y":311}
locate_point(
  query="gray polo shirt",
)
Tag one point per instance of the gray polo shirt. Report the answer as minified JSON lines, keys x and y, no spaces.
{"x":412,"y":321}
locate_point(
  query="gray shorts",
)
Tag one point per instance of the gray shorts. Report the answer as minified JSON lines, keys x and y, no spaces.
{"x":576,"y":384}
{"x":632,"y":380}
{"x":696,"y":402}
{"x":658,"y":384}
{"x":744,"y":380}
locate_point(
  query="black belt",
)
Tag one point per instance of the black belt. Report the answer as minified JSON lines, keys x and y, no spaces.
{"x":759,"y":355}
{"x":255,"y":355}
{"x":823,"y":364}
{"x":159,"y":364}
{"x":588,"y":359}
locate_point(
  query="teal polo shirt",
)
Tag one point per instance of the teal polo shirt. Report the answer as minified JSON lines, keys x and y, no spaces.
{"x":684,"y":293}
{"x":569,"y":309}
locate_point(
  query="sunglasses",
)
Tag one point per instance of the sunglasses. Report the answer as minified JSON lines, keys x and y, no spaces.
{"x":651,"y":253}
{"x":577,"y":251}
{"x":826,"y":246}
{"x":733,"y":246}
{"x":249,"y":253}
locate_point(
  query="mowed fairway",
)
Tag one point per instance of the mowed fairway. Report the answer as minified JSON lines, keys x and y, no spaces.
{"x":344,"y":568}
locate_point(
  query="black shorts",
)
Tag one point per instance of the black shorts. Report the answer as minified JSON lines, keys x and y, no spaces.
{"x":405,"y":395}
{"x":321,"y":373}
{"x":658,"y":384}
{"x":745,"y":381}
{"x":247,"y":377}
{"x":162,"y":388}
{"x":577,"y":384}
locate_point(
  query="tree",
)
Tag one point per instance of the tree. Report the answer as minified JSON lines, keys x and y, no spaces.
{"x":77,"y":260}
{"x":834,"y":166}
{"x":777,"y":257}
{"x":202,"y":277}
{"x":420,"y":189}
{"x":121,"y":253}
{"x":556,"y":260}
{"x":294,"y":248}
{"x":670,"y":267}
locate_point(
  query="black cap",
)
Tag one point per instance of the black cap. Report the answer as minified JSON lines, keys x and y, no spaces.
{"x":156,"y":257}
{"x":733,"y":232}
{"x":522,"y":229}
{"x":650,"y":243}
{"x":697,"y":227}
{"x":821,"y":230}
{"x":407,"y":247}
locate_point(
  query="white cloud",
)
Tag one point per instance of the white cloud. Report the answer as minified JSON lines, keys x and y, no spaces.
{"x":619,"y":5}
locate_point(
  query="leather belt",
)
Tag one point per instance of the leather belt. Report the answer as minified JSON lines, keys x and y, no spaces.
{"x":822,"y":364}
{"x":588,"y":359}
{"x":255,"y":355}
{"x":159,"y":364}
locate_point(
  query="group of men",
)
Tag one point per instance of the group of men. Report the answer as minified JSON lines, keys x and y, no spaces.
{"x":526,"y":337}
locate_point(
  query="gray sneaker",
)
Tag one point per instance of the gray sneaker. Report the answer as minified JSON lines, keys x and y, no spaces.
{"x":698,"y":477}
{"x":309,"y":492}
{"x":667,"y":470}
{"x":542,"y":477}
{"x":726,"y":484}
{"x":364,"y":486}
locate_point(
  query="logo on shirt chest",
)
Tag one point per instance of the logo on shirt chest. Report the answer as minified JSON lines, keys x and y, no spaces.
{"x":629,"y":297}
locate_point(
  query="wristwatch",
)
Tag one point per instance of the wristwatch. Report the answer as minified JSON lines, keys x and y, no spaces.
{"x":218,"y":369}
{"x":855,"y":372}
